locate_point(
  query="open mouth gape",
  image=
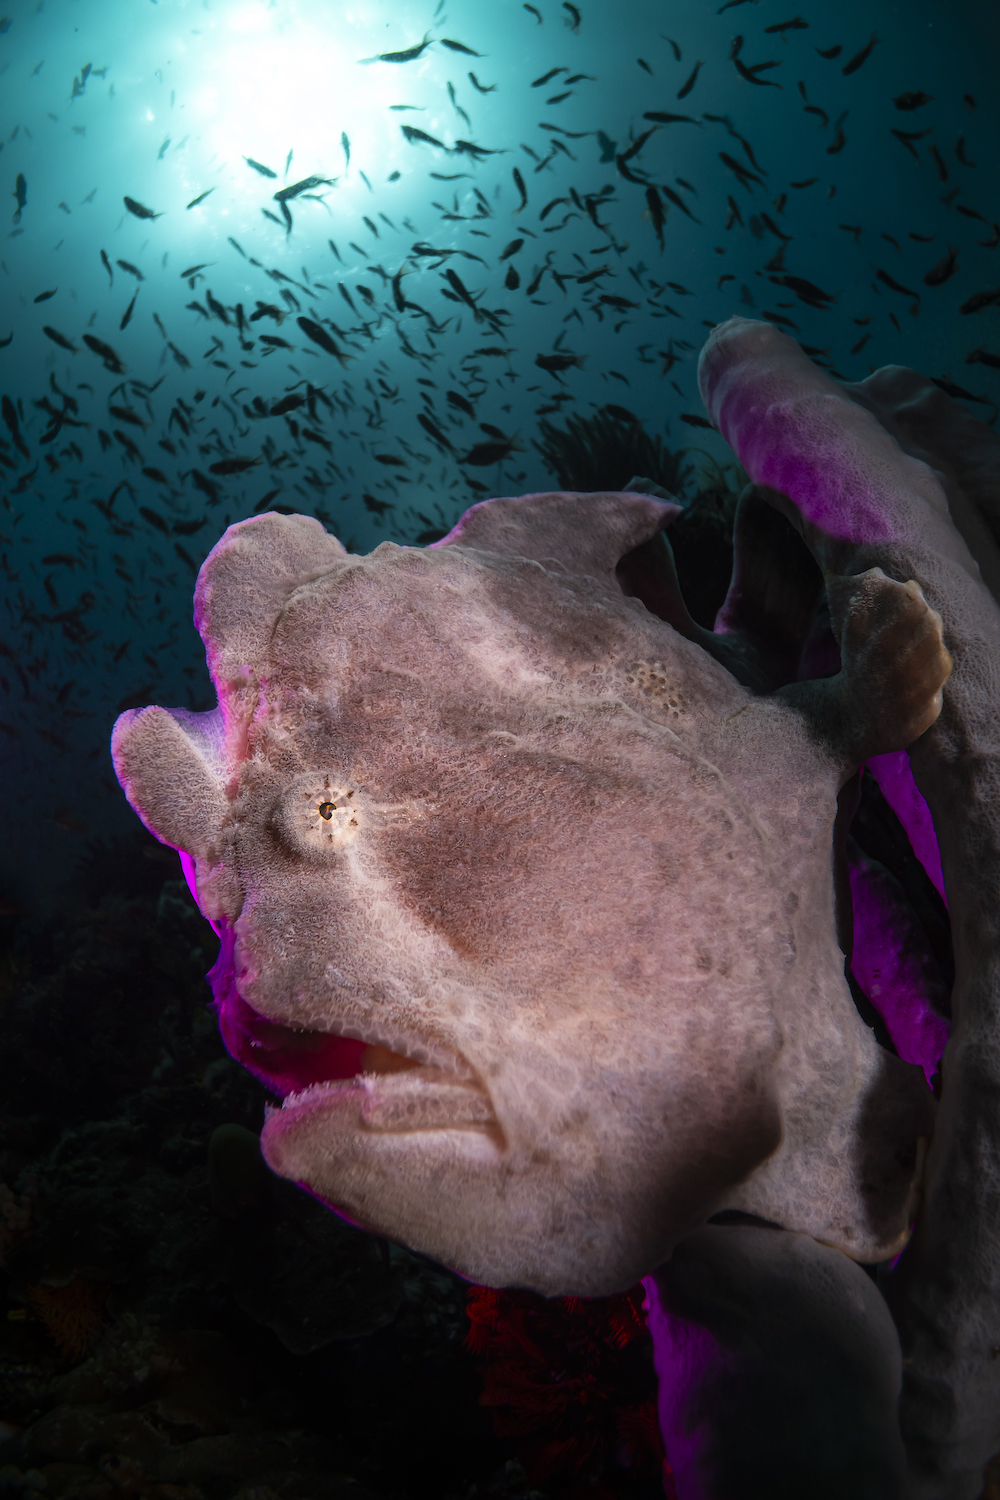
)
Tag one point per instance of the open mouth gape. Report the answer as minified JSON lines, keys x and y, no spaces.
{"x":378,"y":1089}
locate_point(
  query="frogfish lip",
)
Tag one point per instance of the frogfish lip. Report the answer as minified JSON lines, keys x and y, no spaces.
{"x":380,"y":1079}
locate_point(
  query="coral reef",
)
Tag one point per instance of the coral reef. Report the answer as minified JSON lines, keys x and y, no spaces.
{"x":178,"y":1323}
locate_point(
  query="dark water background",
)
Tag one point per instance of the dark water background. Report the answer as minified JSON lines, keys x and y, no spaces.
{"x":190,"y":1272}
{"x":179,"y":94}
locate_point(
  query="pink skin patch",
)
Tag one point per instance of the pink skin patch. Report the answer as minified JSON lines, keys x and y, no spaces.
{"x":891,"y":973}
{"x":687,"y":1357}
{"x":895,"y":778}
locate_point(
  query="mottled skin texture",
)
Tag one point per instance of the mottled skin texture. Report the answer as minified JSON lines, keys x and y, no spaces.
{"x":891,"y":473}
{"x":567,"y":864}
{"x":561,"y":865}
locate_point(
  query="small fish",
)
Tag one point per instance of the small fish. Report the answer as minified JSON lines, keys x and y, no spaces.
{"x":284,"y":194}
{"x":162,"y":151}
{"x":345,"y":146}
{"x":830,"y":52}
{"x":781,"y":27}
{"x":519,"y":184}
{"x":286,"y":404}
{"x":460,"y":403}
{"x":939,"y":163}
{"x":960,"y":152}
{"x":741,"y":171}
{"x":912,"y":101}
{"x":266,"y":501}
{"x":151,"y":515}
{"x":895,"y":286}
{"x":107,"y":267}
{"x":105,"y":352}
{"x":979,"y":300}
{"x":10,"y":421}
{"x":547,"y":77}
{"x":412,"y":135}
{"x":907,"y":137}
{"x":621,"y":413}
{"x":288,"y":160}
{"x":434,"y":431}
{"x":481,"y":88}
{"x":951,"y":389}
{"x":390,"y":460}
{"x":259,"y":167}
{"x":805,"y":291}
{"x":686,"y":88}
{"x":139,"y":210}
{"x":6,"y":341}
{"x":59,"y":338}
{"x":468,"y":148}
{"x":536,"y":13}
{"x":410,"y":54}
{"x":661,"y":117}
{"x":193,"y":270}
{"x":458,"y":47}
{"x":20,"y":193}
{"x":656,"y":212}
{"x":969,"y":99}
{"x":127,"y":265}
{"x":750,"y":73}
{"x":983,"y":357}
{"x":482,"y":455}
{"x":944,"y":270}
{"x":319,"y":336}
{"x":456,"y":106}
{"x":201,"y":197}
{"x":127,"y":318}
{"x":44,"y":296}
{"x":642,"y":64}
{"x":187,"y":528}
{"x":674,"y":47}
{"x":512,"y":280}
{"x":554,"y":364}
{"x":226,"y":466}
{"x":860,"y":57}
{"x":462,"y":291}
{"x":693,"y":420}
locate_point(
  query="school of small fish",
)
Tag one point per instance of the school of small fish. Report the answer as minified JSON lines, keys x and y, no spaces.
{"x":382,"y":370}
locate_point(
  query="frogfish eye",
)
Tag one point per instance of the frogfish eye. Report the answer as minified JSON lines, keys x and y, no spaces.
{"x":318,"y":815}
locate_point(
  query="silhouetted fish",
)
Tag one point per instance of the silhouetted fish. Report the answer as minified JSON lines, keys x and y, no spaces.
{"x":140,"y":210}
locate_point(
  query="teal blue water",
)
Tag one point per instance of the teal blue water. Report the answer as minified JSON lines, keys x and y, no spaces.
{"x":784,"y":194}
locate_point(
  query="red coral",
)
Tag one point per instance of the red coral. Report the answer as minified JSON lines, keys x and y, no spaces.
{"x":567,"y":1376}
{"x":71,"y":1313}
